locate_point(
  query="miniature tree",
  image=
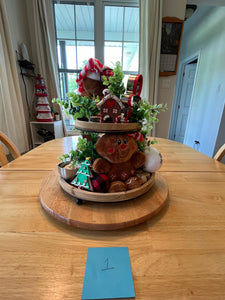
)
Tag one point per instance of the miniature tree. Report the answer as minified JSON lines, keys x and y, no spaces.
{"x":115,"y":83}
{"x":84,"y":174}
{"x":43,"y":108}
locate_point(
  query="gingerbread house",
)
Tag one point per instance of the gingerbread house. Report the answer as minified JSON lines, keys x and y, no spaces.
{"x":111,"y":107}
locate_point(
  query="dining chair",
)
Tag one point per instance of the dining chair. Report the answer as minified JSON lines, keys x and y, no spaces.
{"x":220,"y":153}
{"x":10,"y":146}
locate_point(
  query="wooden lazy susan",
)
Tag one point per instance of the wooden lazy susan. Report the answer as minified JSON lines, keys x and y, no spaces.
{"x":61,"y":204}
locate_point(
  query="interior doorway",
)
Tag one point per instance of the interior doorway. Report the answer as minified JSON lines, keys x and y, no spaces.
{"x":183,"y":97}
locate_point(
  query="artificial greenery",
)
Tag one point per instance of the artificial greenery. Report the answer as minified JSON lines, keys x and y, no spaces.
{"x":86,"y":147}
{"x":78,"y":106}
{"x":83,"y":107}
{"x":115,"y":83}
{"x":146,"y":115}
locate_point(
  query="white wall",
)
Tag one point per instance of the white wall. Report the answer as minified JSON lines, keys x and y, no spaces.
{"x":17,"y":16}
{"x":167,"y":85}
{"x":207,"y":36}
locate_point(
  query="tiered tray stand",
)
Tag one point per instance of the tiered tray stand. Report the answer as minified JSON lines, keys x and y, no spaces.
{"x":103,"y":211}
{"x":107,"y":127}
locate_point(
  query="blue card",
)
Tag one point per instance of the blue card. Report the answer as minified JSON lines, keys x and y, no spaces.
{"x":108,"y":274}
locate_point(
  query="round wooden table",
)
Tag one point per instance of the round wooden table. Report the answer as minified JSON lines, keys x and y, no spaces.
{"x":178,"y":254}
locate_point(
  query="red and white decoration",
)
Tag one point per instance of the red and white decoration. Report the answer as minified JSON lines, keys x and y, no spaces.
{"x":94,"y":70}
{"x":43,"y":108}
{"x":137,"y":136}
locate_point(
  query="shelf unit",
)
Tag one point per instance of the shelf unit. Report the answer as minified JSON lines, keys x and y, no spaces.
{"x":54,"y":128}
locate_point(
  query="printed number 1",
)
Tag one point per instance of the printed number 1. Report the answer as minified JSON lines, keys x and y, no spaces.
{"x":107,"y":265}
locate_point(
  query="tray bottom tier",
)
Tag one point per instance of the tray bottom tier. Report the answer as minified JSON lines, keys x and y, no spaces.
{"x":101,"y":216}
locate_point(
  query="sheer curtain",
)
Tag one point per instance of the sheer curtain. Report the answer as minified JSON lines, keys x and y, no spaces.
{"x":12,"y":119}
{"x":150,"y":41}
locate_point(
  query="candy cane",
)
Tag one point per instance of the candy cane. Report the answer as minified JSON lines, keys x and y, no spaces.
{"x":100,"y":117}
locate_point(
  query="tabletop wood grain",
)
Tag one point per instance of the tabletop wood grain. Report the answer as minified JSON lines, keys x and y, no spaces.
{"x":176,"y":156}
{"x":179,"y":254}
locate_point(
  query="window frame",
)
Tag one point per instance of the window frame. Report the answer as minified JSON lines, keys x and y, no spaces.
{"x":99,"y":22}
{"x":99,"y":35}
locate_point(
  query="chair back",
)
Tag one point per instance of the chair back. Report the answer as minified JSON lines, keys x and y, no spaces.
{"x":10,"y":146}
{"x":220,"y":153}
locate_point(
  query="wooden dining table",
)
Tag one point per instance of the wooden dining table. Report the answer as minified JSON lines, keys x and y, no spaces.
{"x":177,"y":254}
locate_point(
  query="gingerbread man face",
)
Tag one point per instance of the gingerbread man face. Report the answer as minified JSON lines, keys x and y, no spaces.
{"x":116,"y":148}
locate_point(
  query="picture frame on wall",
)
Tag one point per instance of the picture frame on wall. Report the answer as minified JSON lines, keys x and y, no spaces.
{"x":172,"y":29}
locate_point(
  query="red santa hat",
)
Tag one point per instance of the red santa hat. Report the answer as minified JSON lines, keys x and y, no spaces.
{"x":94,"y":70}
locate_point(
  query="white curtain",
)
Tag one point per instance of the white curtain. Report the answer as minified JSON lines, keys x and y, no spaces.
{"x":12,"y":119}
{"x":42,"y":35}
{"x":150,"y":41}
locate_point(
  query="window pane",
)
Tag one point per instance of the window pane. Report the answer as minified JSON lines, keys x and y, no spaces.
{"x":113,"y":23}
{"x":64,"y":20}
{"x":59,"y":55}
{"x":131,"y":24}
{"x":67,"y":83}
{"x":70,"y":55}
{"x":130,"y":56}
{"x":63,"y":84}
{"x":66,"y":54}
{"x":112,"y":53}
{"x":85,"y":50}
{"x":72,"y":85}
{"x":85,"y":22}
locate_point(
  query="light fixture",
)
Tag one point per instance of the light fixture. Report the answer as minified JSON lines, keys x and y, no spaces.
{"x":190,"y":9}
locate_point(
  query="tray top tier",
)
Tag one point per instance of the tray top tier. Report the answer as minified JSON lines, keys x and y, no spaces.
{"x":107,"y":127}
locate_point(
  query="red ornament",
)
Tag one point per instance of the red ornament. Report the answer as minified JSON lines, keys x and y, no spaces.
{"x":100,"y":183}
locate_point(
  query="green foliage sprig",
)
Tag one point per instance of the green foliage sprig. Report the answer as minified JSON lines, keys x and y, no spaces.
{"x":85,"y":148}
{"x":115,"y":83}
{"x":146,"y":115}
{"x":79,"y":106}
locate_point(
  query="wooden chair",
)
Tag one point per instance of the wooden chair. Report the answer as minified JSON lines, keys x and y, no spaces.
{"x":220,"y":153}
{"x":10,"y":146}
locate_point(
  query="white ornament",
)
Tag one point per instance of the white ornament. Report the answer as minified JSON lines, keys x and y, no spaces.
{"x":153,"y":160}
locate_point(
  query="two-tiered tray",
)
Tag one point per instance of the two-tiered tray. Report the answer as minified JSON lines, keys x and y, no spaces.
{"x":103,"y":211}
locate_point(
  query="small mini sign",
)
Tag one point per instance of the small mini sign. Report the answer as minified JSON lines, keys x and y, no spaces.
{"x":108,"y":274}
